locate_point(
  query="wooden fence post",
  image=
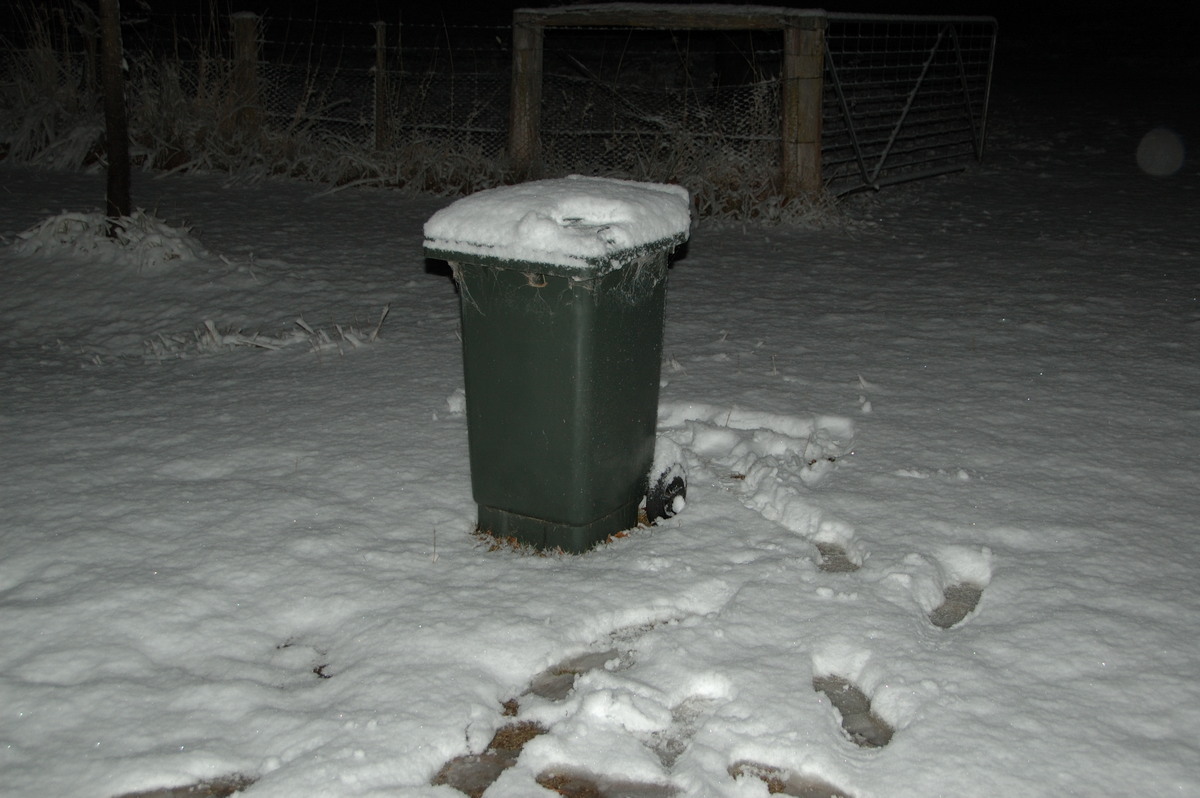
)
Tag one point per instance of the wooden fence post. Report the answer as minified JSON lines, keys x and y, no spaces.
{"x":247,"y":109}
{"x":525,"y":112}
{"x":116,"y":123}
{"x":381,"y":86}
{"x":803,"y":75}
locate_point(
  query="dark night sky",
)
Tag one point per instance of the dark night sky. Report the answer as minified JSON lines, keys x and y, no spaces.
{"x":1166,"y":15}
{"x":1082,"y":35}
{"x":1149,"y":23}
{"x":1153,"y":27}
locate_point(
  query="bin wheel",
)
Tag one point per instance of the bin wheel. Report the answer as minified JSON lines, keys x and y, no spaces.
{"x":667,"y":493}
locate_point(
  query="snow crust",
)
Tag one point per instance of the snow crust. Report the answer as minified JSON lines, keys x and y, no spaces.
{"x":574,"y":222}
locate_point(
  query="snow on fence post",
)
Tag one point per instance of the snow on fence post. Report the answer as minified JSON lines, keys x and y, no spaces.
{"x":803,"y":76}
{"x":525,"y":114}
{"x":381,"y":100}
{"x":247,"y":114}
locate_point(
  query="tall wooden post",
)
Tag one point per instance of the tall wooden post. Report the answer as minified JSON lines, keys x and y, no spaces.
{"x":381,"y":86}
{"x":803,"y":75}
{"x":525,"y":111}
{"x":247,"y":111}
{"x":116,"y":124}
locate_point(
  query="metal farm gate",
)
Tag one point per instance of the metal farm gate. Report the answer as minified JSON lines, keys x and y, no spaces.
{"x":904,"y":97}
{"x":815,"y":101}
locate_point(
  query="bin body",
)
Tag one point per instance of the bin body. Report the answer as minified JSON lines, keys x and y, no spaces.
{"x":562,"y":285}
{"x":562,"y":378}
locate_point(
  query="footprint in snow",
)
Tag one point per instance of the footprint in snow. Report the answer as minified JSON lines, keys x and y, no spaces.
{"x":556,"y":682}
{"x":214,"y":788}
{"x":964,"y":573}
{"x":863,"y":726}
{"x":834,"y":559}
{"x":577,"y":784}
{"x":670,"y":743}
{"x":783,"y":782}
{"x":959,"y":601}
{"x":472,"y":774}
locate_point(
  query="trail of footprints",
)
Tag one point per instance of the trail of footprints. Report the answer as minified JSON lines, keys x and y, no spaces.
{"x":958,"y":600}
{"x":473,"y":774}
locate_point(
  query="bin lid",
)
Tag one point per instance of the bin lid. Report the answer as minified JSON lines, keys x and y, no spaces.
{"x":574,"y":226}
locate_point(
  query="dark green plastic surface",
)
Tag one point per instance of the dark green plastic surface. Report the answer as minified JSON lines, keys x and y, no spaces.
{"x":562,"y":381}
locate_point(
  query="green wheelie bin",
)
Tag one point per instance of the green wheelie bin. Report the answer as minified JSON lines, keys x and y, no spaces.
{"x":562,"y":287}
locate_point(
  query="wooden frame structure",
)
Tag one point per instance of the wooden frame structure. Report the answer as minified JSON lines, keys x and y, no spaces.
{"x":803,"y":32}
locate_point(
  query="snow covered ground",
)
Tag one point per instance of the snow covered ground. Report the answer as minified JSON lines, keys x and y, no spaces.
{"x":238,"y":546}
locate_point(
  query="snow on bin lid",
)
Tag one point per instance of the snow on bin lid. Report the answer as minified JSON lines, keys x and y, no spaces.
{"x":574,"y":223}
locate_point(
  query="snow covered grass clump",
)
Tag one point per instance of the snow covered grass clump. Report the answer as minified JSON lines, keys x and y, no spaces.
{"x":157,"y":293}
{"x":209,"y":339}
{"x":140,"y":239}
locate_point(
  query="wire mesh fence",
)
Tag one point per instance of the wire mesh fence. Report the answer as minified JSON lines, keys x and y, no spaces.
{"x":649,"y":104}
{"x":903,"y":97}
{"x":467,"y":110}
{"x":443,"y":83}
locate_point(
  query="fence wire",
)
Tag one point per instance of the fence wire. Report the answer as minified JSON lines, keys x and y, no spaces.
{"x":903,"y":97}
{"x":655,"y":105}
{"x":469,"y":111}
{"x":443,"y":84}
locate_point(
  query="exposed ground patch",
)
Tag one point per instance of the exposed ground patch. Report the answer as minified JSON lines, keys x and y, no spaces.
{"x":784,"y":782}
{"x":556,"y":682}
{"x":472,"y":774}
{"x":864,"y":726}
{"x":835,"y":559}
{"x":959,"y":601}
{"x":574,"y":784}
{"x":221,"y":787}
{"x":670,"y":743}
